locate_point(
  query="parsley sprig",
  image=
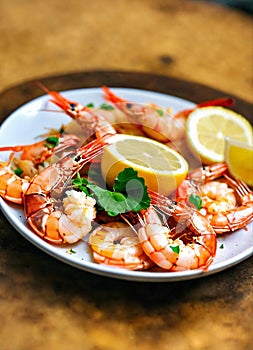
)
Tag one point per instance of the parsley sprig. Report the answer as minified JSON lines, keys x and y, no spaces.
{"x":18,"y":171}
{"x":51,"y":142}
{"x":129,"y":193}
{"x":196,"y":201}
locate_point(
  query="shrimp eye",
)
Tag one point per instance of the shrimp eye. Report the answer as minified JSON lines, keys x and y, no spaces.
{"x":72,"y":106}
{"x":129,"y":105}
{"x":77,"y":158}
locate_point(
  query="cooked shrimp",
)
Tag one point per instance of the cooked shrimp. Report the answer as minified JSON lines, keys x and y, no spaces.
{"x":55,"y":219}
{"x":196,"y":178}
{"x":16,"y":174}
{"x":12,"y":186}
{"x":226,"y":202}
{"x":40,"y":151}
{"x":217,"y":197}
{"x":241,"y":214}
{"x":208,"y":173}
{"x":116,"y":244}
{"x":87,"y":119}
{"x":177,"y":249}
{"x":156,"y":122}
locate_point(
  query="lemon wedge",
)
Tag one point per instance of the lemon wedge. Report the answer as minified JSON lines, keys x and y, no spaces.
{"x":207,"y":128}
{"x":162,"y":168}
{"x":239,"y":158}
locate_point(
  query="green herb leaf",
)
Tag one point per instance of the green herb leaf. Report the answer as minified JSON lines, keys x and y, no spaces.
{"x":90,"y":105}
{"x":61,"y":131}
{"x":18,"y":171}
{"x":52,"y":141}
{"x":175,"y":248}
{"x":71,"y":251}
{"x":106,"y":107}
{"x":113,"y":203}
{"x":222,"y":246}
{"x":196,"y":201}
{"x":129,"y":193}
{"x":160,"y":112}
{"x":134,"y":188}
{"x":81,"y":183}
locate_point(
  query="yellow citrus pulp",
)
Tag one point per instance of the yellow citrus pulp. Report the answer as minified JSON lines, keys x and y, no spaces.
{"x":239,"y":158}
{"x":207,"y":128}
{"x":162,"y":168}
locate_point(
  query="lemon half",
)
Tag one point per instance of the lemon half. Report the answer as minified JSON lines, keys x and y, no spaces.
{"x":208,"y":127}
{"x":162,"y":168}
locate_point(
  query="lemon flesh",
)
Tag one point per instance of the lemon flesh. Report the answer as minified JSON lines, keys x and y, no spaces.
{"x":162,"y":168}
{"x":207,"y":129}
{"x":239,"y":158}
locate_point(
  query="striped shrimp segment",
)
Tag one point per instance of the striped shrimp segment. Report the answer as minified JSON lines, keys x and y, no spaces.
{"x":190,"y":244}
{"x":54,"y":212}
{"x":226,"y":202}
{"x":16,"y":173}
{"x":117,"y":245}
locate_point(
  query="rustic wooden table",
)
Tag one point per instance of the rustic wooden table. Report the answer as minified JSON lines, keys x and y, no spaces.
{"x":149,"y":44}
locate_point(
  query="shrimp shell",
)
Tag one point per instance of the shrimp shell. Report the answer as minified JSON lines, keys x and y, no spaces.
{"x":43,"y":200}
{"x":171,"y":253}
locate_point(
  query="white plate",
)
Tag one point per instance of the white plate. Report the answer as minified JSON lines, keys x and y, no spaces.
{"x":29,"y":121}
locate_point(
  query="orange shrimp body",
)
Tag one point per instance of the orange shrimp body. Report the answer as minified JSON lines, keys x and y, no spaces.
{"x":117,"y":245}
{"x":167,"y":247}
{"x":148,"y":118}
{"x":216,"y":197}
{"x":241,"y":214}
{"x":156,"y":122}
{"x":226,"y":202}
{"x":40,"y":151}
{"x":55,"y":214}
{"x":14,"y":184}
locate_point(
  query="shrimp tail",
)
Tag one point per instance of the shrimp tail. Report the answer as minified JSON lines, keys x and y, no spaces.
{"x":208,"y":173}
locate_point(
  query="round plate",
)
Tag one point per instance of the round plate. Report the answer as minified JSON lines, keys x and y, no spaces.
{"x":33,"y":119}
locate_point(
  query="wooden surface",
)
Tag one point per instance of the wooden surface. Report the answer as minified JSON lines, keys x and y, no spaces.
{"x":45,"y":304}
{"x":192,"y":40}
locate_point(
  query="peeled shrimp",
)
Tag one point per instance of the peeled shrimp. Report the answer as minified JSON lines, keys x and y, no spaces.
{"x":226,"y":202}
{"x":116,"y":244}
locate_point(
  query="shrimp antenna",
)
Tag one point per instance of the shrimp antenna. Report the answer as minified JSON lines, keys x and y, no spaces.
{"x":42,"y":86}
{"x":129,"y":223}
